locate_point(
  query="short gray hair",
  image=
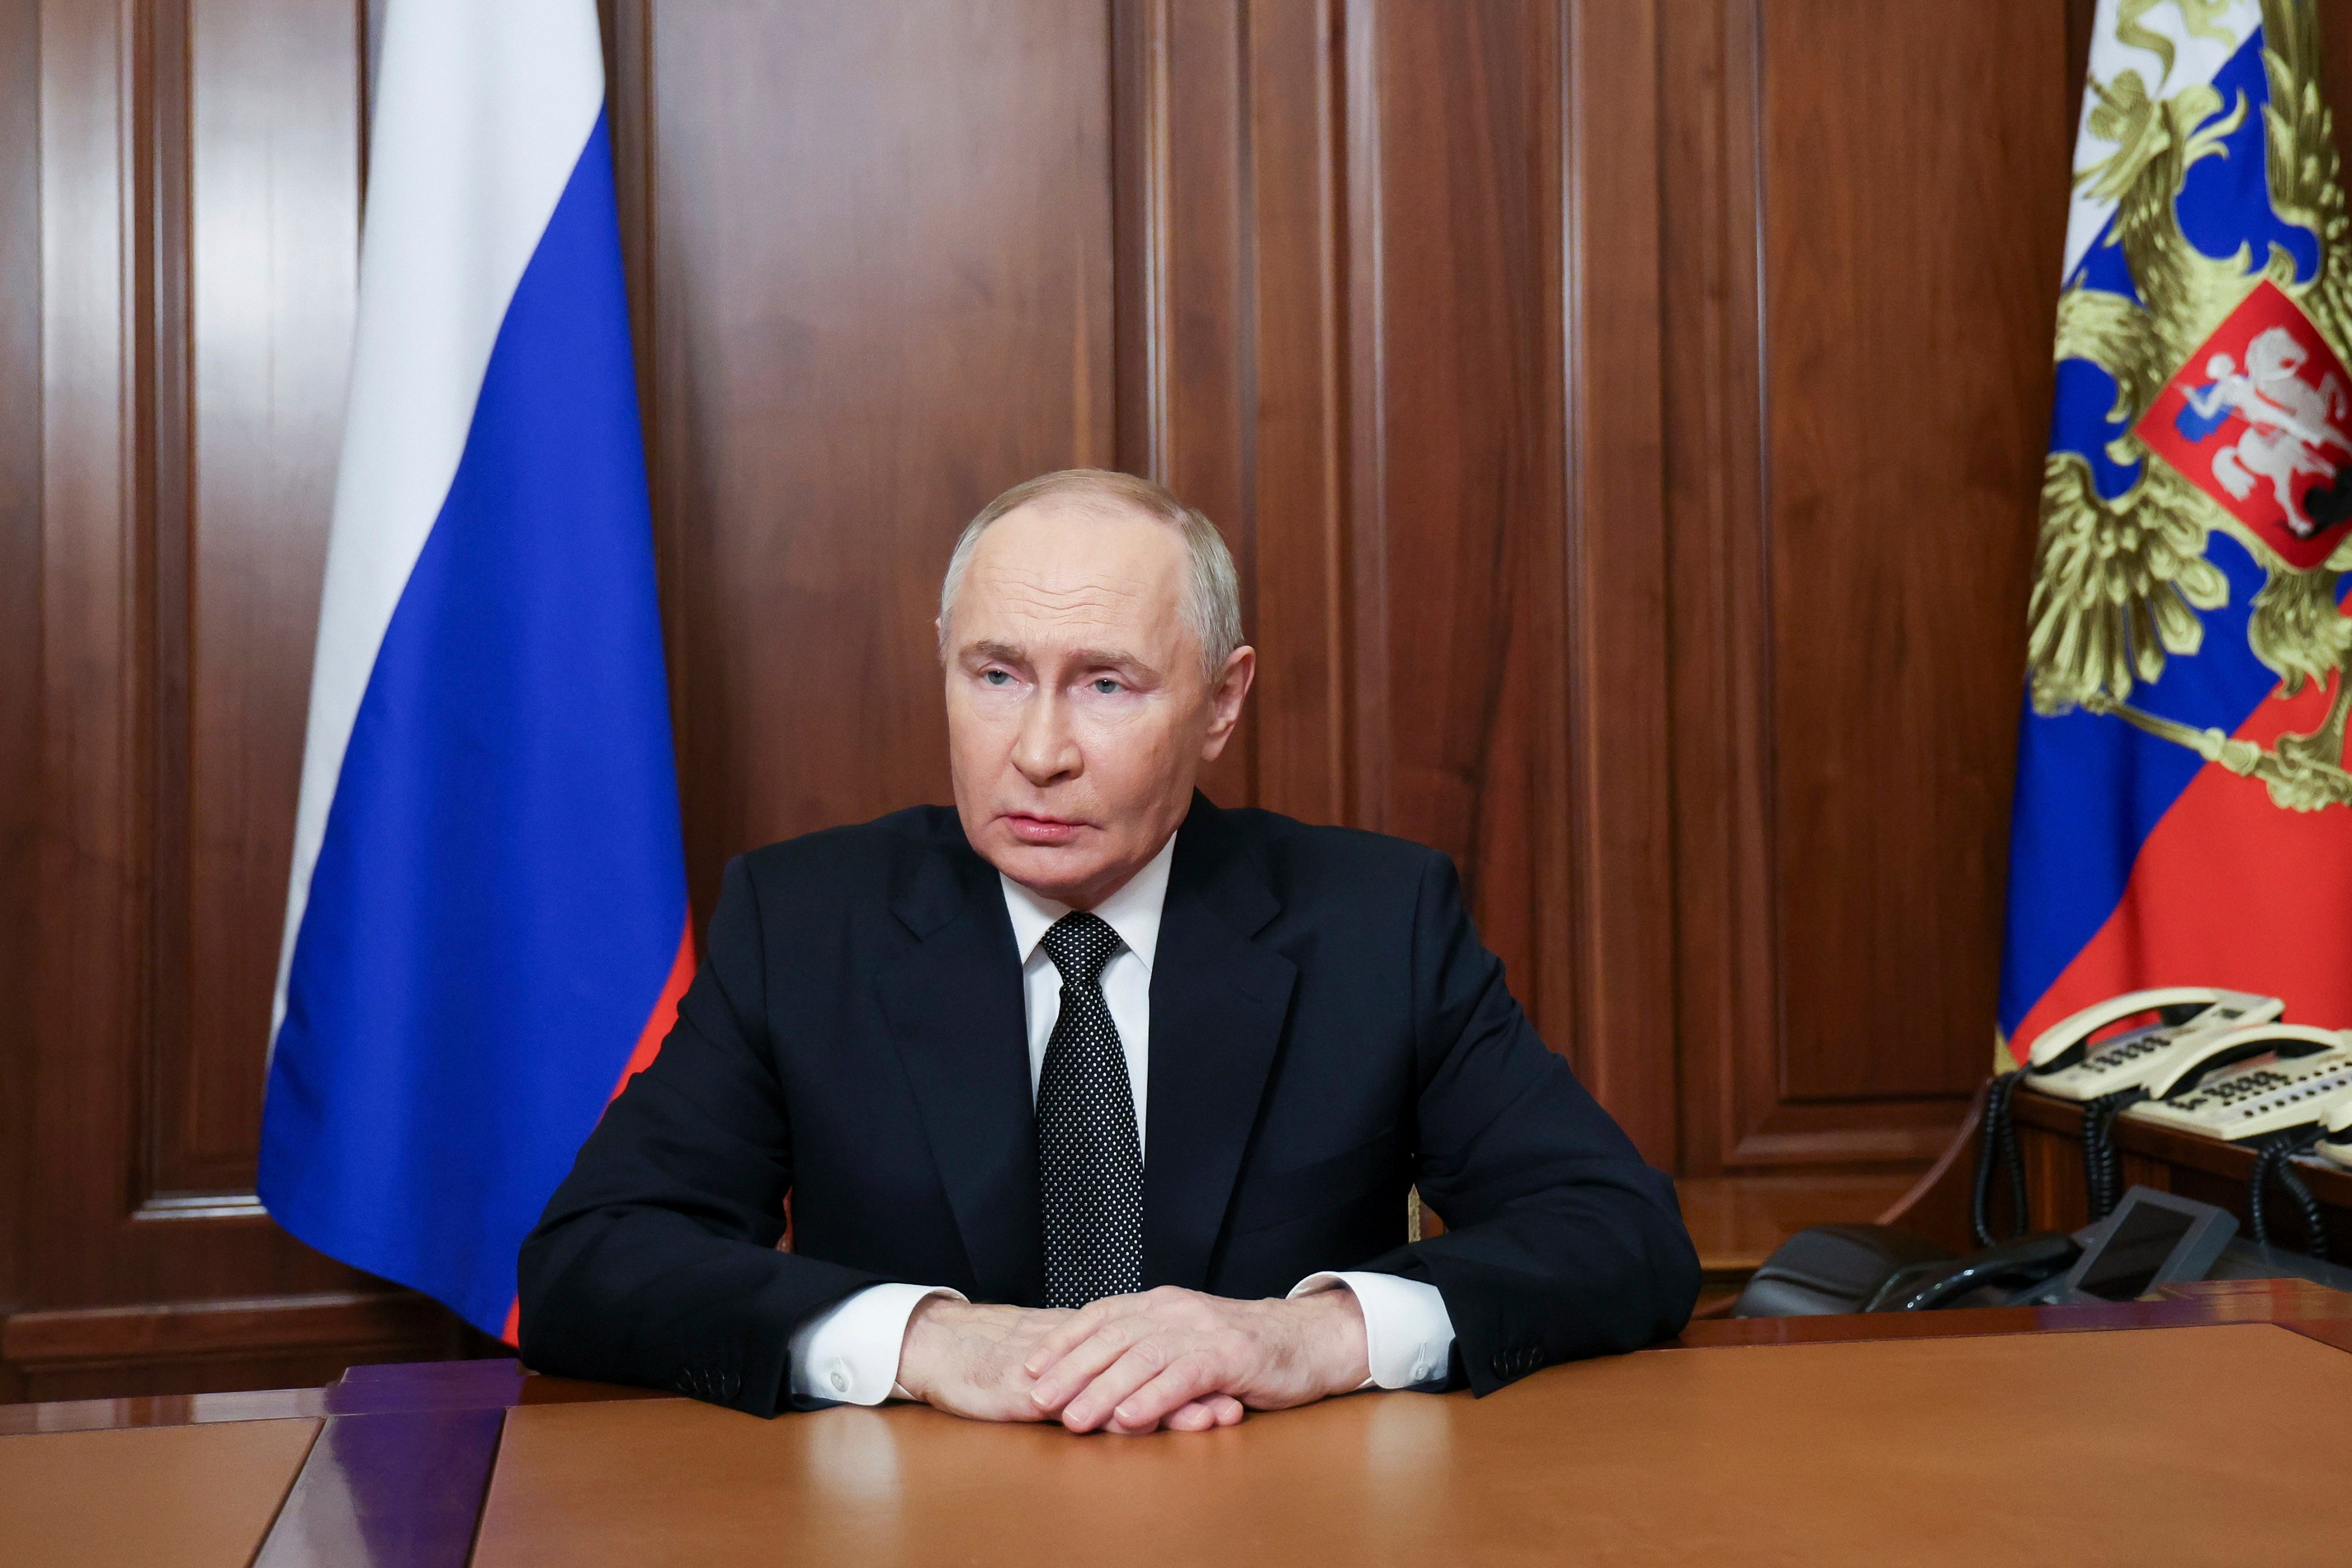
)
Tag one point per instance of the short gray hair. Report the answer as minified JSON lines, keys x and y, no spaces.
{"x":1212,"y":597}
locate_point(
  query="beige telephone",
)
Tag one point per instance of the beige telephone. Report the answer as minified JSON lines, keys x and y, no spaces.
{"x":2334,"y":1144}
{"x":2251,"y":1082}
{"x":2066,"y":1062}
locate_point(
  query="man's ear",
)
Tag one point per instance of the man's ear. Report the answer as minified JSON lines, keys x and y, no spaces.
{"x":1226,"y":701}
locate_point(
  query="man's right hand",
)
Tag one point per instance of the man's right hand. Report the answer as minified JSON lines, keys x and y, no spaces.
{"x":968,"y":1359}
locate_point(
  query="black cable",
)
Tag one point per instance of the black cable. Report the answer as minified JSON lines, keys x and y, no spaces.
{"x":2014,"y":1157}
{"x":1996,"y":1142}
{"x":2315,"y":1219}
{"x":1987,"y":1143}
{"x":2256,"y":1221}
{"x":2102,"y":1165}
{"x":2271,"y":1161}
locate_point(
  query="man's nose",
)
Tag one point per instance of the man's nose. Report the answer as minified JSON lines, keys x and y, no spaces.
{"x":1044,"y":750}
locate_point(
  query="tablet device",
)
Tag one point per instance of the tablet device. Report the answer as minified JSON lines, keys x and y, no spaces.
{"x":2153,"y":1238}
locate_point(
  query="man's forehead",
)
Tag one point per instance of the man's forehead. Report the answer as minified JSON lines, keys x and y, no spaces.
{"x":1071,"y":552}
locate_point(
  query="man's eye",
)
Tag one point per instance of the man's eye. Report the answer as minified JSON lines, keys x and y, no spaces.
{"x":996,"y":676}
{"x":1106,"y":687}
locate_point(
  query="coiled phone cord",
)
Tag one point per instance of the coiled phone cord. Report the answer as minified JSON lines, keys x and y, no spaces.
{"x":2272,"y":1161}
{"x":2102,"y":1165}
{"x":1997,"y":1141}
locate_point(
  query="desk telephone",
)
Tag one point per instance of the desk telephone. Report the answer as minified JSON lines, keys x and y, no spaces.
{"x":2220,"y":1063}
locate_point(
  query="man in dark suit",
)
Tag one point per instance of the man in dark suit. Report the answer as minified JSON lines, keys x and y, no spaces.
{"x":1095,"y":1102}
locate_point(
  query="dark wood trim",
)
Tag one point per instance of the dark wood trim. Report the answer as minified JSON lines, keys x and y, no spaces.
{"x":20,"y":619}
{"x":1140,"y":176}
{"x":1719,"y":611}
{"x":1604,"y":885}
{"x":86,"y":1013}
{"x":160,"y":656}
{"x":173,"y":1331}
{"x":1296,"y":420}
{"x":1366,"y":723}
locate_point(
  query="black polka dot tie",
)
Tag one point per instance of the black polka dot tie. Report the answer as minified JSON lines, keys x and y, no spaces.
{"x":1089,"y":1159}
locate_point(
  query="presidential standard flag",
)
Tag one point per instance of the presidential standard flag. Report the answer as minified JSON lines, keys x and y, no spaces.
{"x":486,"y":926}
{"x":2183,"y":811}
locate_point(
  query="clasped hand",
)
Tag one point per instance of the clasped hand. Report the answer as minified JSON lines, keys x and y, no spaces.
{"x":1165,"y":1358}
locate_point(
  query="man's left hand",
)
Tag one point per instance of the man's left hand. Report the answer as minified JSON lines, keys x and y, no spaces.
{"x":1126,"y":1364}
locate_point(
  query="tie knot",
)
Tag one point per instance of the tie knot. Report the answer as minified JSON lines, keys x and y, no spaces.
{"x":1080,"y":945}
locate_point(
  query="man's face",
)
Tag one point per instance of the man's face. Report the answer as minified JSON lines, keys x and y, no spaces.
{"x":1078,"y":714}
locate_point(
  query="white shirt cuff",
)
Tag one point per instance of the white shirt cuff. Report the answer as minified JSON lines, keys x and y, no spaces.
{"x":1408,"y":1333}
{"x":848,"y":1354}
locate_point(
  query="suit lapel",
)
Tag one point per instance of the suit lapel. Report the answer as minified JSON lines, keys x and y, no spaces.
{"x":955,"y":1012}
{"x":1218,"y":1003}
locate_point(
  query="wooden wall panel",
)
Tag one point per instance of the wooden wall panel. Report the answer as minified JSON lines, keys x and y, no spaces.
{"x":198,"y":197}
{"x":1462,"y":575}
{"x":1864,"y":209}
{"x":1908,"y":300}
{"x":881,"y":292}
{"x":272,"y":210}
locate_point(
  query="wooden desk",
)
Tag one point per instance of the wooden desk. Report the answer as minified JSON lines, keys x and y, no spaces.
{"x":1893,"y":1438}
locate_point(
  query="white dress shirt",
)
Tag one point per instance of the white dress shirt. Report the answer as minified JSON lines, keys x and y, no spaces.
{"x":849,"y":1353}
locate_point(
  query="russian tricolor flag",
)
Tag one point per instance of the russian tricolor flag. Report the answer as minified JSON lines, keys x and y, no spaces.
{"x":486,"y":926}
{"x":2200,"y":382}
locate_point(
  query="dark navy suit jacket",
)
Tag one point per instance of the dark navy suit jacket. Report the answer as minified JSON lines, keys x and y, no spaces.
{"x":1327,"y":1030}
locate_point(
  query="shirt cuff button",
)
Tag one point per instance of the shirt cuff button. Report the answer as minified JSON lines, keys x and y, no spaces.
{"x":840,"y":1381}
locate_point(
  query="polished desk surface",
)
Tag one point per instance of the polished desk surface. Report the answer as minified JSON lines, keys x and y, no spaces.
{"x":201,"y":1495}
{"x":2204,"y":1431}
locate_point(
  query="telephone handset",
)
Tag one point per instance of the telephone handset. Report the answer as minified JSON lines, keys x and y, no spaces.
{"x":2252,"y":1082}
{"x":2334,"y":1144}
{"x":2068,"y":1063}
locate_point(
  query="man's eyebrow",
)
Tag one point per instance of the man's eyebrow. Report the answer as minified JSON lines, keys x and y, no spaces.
{"x":1097,"y":657}
{"x":1086,"y":657}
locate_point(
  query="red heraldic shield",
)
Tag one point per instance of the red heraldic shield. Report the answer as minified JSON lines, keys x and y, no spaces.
{"x":2261,"y":419}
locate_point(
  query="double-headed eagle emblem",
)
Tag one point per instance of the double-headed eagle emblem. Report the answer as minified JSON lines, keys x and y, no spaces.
{"x":2230,"y":382}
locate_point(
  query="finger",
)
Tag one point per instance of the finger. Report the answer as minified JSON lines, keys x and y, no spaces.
{"x":1191,"y":1380}
{"x":1085,"y":1363}
{"x":1195,"y":1415}
{"x":1142,"y":1362}
{"x":1076,"y":1329}
{"x":1204,"y":1415}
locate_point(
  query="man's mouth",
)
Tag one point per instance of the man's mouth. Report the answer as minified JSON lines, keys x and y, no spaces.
{"x":1030,"y":827}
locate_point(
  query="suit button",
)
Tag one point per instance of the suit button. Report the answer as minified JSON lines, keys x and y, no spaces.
{"x":1501,"y":1364}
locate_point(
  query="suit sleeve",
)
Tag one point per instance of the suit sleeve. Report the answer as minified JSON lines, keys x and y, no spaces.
{"x":656,"y":1262}
{"x":1560,"y":1241}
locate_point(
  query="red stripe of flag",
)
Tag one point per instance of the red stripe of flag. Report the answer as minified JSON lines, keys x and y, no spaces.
{"x":658,"y":1023}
